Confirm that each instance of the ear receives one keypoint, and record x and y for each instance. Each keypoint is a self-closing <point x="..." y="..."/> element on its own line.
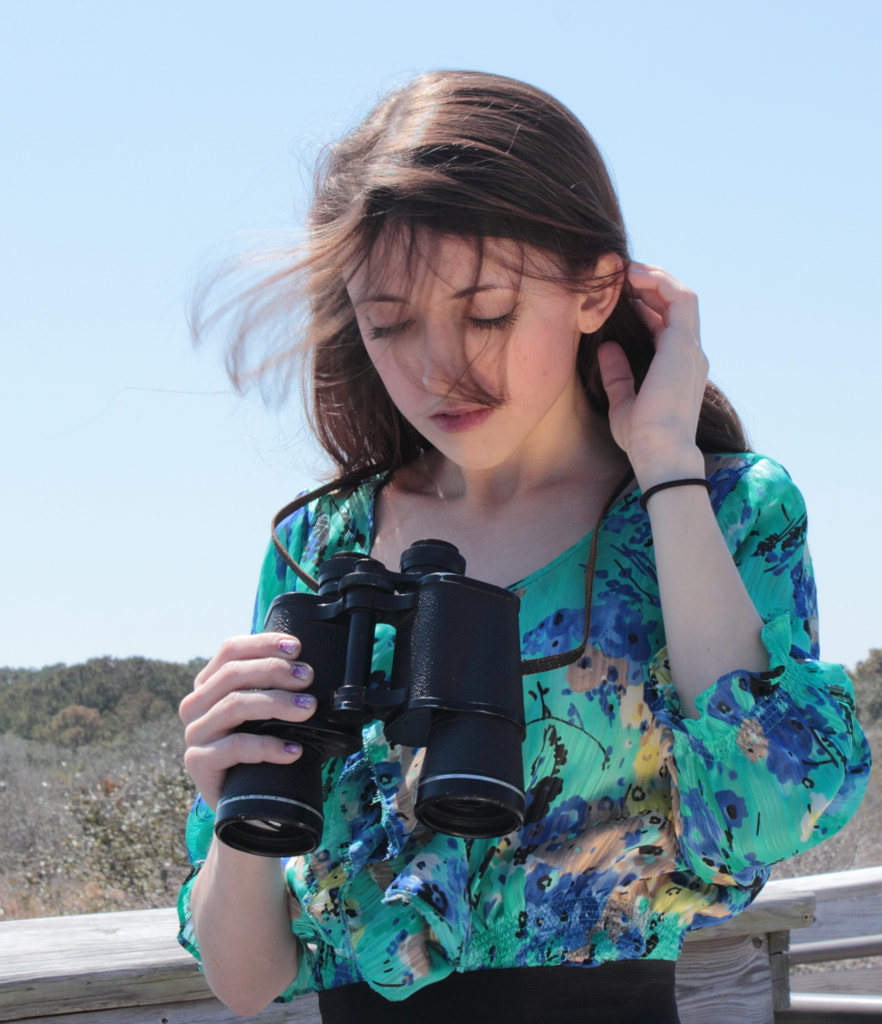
<point x="597" y="304"/>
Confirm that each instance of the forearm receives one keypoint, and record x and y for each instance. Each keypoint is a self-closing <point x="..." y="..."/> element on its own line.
<point x="711" y="624"/>
<point x="240" y="912"/>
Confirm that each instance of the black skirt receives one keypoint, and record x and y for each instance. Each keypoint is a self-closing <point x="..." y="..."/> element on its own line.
<point x="623" y="992"/>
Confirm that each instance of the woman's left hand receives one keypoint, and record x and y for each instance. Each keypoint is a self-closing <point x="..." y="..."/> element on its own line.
<point x="656" y="426"/>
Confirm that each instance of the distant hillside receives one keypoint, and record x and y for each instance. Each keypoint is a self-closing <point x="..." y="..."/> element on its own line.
<point x="867" y="679"/>
<point x="98" y="701"/>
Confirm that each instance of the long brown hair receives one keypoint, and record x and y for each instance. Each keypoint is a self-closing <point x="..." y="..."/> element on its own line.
<point x="454" y="152"/>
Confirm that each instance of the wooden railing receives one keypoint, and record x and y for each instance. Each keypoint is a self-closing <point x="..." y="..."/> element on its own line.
<point x="847" y="926"/>
<point x="126" y="968"/>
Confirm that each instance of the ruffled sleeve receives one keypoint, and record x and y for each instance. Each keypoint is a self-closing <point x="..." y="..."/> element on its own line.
<point x="275" y="578"/>
<point x="200" y="829"/>
<point x="776" y="762"/>
<point x="311" y="534"/>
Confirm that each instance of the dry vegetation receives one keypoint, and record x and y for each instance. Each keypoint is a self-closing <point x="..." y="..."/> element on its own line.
<point x="92" y="829"/>
<point x="93" y="811"/>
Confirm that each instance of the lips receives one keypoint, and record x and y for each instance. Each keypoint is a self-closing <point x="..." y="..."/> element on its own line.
<point x="456" y="421"/>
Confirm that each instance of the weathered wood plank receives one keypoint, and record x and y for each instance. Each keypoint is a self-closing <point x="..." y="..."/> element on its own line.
<point x="774" y="910"/>
<point x="779" y="968"/>
<point x="826" y="1009"/>
<point x="742" y="984"/>
<point x="835" y="885"/>
<point x="207" y="1011"/>
<point x="110" y="935"/>
<point x="866" y="981"/>
<point x="844" y="919"/>
<point x="837" y="949"/>
<point x="80" y="990"/>
<point x="94" y="961"/>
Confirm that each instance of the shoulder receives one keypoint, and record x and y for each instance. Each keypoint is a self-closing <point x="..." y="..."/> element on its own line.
<point x="749" y="489"/>
<point x="746" y="473"/>
<point x="315" y="526"/>
<point x="324" y="523"/>
<point x="321" y="522"/>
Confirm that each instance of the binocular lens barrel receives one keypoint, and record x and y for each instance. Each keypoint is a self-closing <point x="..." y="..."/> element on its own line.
<point x="273" y="810"/>
<point x="471" y="782"/>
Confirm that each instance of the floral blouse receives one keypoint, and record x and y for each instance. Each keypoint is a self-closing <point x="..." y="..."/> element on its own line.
<point x="640" y="823"/>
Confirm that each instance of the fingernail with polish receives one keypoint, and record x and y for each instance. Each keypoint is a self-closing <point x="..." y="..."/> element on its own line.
<point x="304" y="700"/>
<point x="300" y="671"/>
<point x="289" y="646"/>
<point x="293" y="748"/>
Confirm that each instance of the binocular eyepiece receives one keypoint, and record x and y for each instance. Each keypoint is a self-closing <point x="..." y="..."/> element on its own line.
<point x="455" y="689"/>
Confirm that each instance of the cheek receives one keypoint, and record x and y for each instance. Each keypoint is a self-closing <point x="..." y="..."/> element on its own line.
<point x="388" y="367"/>
<point x="548" y="354"/>
<point x="378" y="353"/>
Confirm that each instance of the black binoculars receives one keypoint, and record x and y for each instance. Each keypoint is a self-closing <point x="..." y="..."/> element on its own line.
<point x="455" y="689"/>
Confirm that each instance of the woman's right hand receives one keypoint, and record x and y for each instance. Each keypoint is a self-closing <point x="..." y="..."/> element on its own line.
<point x="251" y="678"/>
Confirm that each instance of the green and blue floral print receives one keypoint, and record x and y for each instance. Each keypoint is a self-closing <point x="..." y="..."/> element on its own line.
<point x="640" y="823"/>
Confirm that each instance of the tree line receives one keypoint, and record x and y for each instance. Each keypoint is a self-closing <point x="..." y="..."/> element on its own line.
<point x="98" y="701"/>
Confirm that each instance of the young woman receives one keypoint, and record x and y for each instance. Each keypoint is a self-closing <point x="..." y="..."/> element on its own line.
<point x="489" y="367"/>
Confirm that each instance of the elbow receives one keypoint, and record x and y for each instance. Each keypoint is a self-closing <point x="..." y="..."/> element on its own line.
<point x="250" y="987"/>
<point x="245" y="1008"/>
<point x="242" y="999"/>
<point x="247" y="982"/>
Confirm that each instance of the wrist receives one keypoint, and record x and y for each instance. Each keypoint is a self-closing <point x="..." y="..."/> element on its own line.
<point x="658" y="466"/>
<point x="691" y="481"/>
<point x="230" y="866"/>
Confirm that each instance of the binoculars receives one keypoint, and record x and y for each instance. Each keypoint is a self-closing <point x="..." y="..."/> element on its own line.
<point x="455" y="689"/>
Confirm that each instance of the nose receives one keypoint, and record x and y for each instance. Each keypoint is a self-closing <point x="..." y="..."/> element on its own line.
<point x="443" y="359"/>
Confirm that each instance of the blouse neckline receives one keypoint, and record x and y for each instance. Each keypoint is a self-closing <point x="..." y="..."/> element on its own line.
<point x="379" y="482"/>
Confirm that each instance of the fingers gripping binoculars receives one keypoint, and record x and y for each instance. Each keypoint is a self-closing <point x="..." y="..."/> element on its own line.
<point x="455" y="689"/>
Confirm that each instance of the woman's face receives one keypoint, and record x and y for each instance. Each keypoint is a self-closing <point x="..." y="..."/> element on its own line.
<point x="478" y="357"/>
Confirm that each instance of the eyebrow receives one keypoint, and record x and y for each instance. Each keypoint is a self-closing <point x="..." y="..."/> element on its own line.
<point x="464" y="293"/>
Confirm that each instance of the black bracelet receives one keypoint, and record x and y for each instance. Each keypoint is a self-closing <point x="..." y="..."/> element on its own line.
<point x="698" y="481"/>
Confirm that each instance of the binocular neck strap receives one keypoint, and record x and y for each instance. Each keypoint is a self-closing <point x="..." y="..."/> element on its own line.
<point x="530" y="666"/>
<point x="341" y="483"/>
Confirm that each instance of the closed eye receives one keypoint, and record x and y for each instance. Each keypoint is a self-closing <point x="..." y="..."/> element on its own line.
<point x="498" y="323"/>
<point x="376" y="331"/>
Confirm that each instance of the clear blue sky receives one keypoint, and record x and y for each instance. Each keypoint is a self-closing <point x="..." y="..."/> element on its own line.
<point x="142" y="141"/>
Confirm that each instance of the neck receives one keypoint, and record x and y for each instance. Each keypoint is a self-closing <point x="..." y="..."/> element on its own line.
<point x="582" y="452"/>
